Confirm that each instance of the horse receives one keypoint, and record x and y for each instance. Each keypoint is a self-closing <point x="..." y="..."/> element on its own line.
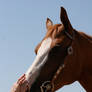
<point x="62" y="57"/>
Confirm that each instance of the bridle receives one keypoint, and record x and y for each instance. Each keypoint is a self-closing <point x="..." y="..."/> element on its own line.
<point x="48" y="86"/>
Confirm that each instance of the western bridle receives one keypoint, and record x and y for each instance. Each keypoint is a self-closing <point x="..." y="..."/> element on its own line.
<point x="48" y="86"/>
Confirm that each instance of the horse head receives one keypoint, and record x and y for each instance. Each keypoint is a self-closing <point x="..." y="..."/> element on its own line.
<point x="56" y="63"/>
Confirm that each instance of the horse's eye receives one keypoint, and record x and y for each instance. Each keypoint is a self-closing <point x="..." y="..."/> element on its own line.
<point x="55" y="49"/>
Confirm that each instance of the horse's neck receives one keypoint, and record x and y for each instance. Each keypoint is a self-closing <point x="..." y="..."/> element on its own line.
<point x="87" y="37"/>
<point x="85" y="44"/>
<point x="86" y="82"/>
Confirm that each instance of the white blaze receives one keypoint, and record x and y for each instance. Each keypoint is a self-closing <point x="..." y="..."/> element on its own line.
<point x="39" y="61"/>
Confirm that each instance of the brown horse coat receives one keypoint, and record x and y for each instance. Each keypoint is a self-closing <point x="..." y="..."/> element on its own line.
<point x="81" y="62"/>
<point x="76" y="63"/>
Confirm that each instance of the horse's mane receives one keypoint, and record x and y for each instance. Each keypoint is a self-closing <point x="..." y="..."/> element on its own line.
<point x="86" y="36"/>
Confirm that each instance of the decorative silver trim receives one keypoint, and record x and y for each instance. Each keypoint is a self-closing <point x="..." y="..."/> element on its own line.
<point x="70" y="50"/>
<point x="48" y="86"/>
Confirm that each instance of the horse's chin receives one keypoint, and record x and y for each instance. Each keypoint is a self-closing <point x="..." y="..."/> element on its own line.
<point x="35" y="88"/>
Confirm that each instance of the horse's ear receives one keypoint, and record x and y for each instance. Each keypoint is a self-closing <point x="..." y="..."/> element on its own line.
<point x="48" y="23"/>
<point x="65" y="20"/>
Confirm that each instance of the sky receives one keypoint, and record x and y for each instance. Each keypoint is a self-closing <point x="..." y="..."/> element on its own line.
<point x="22" y="27"/>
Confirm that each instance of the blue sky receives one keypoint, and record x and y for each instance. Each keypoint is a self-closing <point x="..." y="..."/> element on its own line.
<point x="22" y="26"/>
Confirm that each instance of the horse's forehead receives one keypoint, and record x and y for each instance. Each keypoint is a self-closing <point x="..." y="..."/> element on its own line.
<point x="53" y="30"/>
<point x="49" y="37"/>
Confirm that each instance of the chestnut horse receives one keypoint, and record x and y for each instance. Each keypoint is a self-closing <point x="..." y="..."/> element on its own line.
<point x="63" y="57"/>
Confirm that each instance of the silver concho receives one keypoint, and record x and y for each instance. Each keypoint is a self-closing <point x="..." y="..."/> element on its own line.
<point x="70" y="50"/>
<point x="46" y="86"/>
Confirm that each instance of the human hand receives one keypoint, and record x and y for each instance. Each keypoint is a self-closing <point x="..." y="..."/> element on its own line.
<point x="21" y="85"/>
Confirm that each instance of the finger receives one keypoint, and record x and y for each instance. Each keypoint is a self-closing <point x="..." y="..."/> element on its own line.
<point x="26" y="86"/>
<point x="21" y="78"/>
<point x="25" y="81"/>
